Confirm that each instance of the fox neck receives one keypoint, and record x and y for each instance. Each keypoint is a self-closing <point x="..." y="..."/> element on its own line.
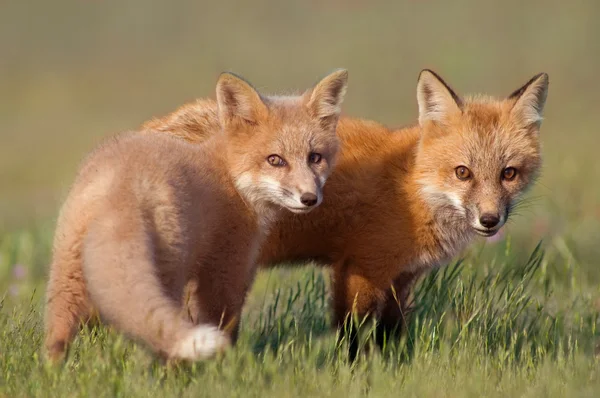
<point x="262" y="212"/>
<point x="265" y="213"/>
<point x="441" y="232"/>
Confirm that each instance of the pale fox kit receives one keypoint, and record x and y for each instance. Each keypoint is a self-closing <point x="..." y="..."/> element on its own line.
<point x="160" y="236"/>
<point x="401" y="202"/>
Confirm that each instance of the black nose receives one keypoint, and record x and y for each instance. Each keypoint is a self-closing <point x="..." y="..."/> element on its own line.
<point x="489" y="220"/>
<point x="308" y="199"/>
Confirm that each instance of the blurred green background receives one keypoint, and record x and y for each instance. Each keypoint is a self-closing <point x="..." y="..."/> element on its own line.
<point x="72" y="72"/>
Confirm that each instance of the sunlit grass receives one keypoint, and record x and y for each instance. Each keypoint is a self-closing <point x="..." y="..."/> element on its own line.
<point x="485" y="325"/>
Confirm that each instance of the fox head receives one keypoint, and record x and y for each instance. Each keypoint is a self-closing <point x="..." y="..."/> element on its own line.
<point x="477" y="155"/>
<point x="280" y="150"/>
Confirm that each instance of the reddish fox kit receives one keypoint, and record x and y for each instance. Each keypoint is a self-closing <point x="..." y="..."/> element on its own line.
<point x="160" y="236"/>
<point x="401" y="202"/>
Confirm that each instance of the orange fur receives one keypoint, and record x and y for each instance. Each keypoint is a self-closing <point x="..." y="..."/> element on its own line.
<point x="160" y="236"/>
<point x="191" y="121"/>
<point x="394" y="206"/>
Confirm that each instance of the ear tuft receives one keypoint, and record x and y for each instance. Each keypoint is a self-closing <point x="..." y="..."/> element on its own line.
<point x="325" y="99"/>
<point x="530" y="100"/>
<point x="435" y="98"/>
<point x="238" y="100"/>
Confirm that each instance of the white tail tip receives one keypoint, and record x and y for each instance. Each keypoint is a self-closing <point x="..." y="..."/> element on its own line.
<point x="202" y="342"/>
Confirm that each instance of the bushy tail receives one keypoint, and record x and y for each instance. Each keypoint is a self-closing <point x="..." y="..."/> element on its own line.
<point x="124" y="285"/>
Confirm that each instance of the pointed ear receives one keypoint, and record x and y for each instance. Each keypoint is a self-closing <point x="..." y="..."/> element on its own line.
<point x="238" y="100"/>
<point x="529" y="100"/>
<point x="435" y="98"/>
<point x="325" y="99"/>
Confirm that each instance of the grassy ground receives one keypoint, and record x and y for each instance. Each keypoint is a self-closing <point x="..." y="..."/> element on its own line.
<point x="506" y="321"/>
<point x="495" y="323"/>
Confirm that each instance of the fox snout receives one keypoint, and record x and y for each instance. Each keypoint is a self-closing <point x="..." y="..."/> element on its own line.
<point x="295" y="193"/>
<point x="303" y="188"/>
<point x="309" y="199"/>
<point x="490" y="218"/>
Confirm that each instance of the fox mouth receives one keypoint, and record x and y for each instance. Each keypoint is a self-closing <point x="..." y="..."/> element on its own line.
<point x="299" y="210"/>
<point x="486" y="232"/>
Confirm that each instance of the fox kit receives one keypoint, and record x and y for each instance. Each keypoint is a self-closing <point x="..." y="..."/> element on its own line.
<point x="401" y="202"/>
<point x="160" y="236"/>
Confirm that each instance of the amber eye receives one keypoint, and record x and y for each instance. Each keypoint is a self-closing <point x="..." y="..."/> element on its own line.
<point x="462" y="173"/>
<point x="509" y="173"/>
<point x="315" y="157"/>
<point x="276" y="161"/>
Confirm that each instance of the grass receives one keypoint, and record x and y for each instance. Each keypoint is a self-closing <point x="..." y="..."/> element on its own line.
<point x="488" y="325"/>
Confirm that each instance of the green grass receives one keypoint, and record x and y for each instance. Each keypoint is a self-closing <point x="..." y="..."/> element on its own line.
<point x="489" y="324"/>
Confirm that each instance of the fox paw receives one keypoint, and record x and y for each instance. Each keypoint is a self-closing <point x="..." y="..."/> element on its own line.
<point x="202" y="342"/>
<point x="56" y="352"/>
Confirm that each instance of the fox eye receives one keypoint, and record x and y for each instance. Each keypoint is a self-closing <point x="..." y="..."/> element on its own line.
<point x="276" y="161"/>
<point x="509" y="173"/>
<point x="315" y="158"/>
<point x="463" y="173"/>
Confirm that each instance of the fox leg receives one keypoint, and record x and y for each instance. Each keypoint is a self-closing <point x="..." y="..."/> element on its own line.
<point x="221" y="296"/>
<point x="235" y="300"/>
<point x="354" y="293"/>
<point x="196" y="312"/>
<point x="67" y="302"/>
<point x="124" y="284"/>
<point x="392" y="318"/>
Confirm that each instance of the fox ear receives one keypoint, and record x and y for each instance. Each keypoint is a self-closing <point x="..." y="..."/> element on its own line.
<point x="238" y="100"/>
<point x="530" y="99"/>
<point x="435" y="98"/>
<point x="325" y="99"/>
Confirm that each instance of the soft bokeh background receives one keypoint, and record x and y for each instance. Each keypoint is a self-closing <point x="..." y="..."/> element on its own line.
<point x="72" y="72"/>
